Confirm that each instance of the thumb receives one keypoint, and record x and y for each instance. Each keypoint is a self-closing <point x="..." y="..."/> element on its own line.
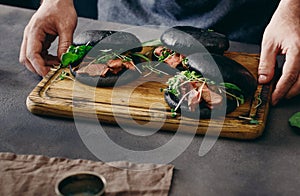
<point x="65" y="40"/>
<point x="267" y="63"/>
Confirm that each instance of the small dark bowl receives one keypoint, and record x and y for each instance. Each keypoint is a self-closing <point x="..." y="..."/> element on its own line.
<point x="81" y="183"/>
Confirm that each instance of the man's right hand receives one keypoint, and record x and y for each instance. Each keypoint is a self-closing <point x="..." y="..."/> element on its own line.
<point x="53" y="18"/>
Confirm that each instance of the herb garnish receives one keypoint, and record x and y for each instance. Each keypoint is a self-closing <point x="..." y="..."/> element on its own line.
<point x="252" y="120"/>
<point x="64" y="75"/>
<point x="238" y="96"/>
<point x="74" y="53"/>
<point x="259" y="101"/>
<point x="149" y="65"/>
<point x="173" y="113"/>
<point x="166" y="53"/>
<point x="187" y="76"/>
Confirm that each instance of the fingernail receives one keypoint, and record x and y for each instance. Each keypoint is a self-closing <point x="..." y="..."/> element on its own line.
<point x="262" y="78"/>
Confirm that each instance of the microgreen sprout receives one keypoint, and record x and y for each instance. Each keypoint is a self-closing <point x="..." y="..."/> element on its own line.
<point x="173" y="113"/>
<point x="185" y="62"/>
<point x="252" y="120"/>
<point x="166" y="53"/>
<point x="64" y="75"/>
<point x="259" y="100"/>
<point x="153" y="69"/>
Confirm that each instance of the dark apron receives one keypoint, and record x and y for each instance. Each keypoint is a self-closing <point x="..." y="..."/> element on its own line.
<point x="240" y="20"/>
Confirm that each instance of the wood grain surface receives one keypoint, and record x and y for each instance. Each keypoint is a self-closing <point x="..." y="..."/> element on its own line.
<point x="140" y="104"/>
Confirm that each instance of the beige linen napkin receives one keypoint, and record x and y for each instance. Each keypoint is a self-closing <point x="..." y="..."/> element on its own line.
<point x="37" y="175"/>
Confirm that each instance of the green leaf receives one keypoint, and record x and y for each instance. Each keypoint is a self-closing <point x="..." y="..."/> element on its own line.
<point x="254" y="122"/>
<point x="241" y="99"/>
<point x="230" y="86"/>
<point x="141" y="56"/>
<point x="68" y="58"/>
<point x="63" y="75"/>
<point x="185" y="61"/>
<point x="295" y="120"/>
<point x="74" y="53"/>
<point x="173" y="113"/>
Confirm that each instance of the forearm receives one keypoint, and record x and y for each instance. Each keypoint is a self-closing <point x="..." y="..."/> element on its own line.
<point x="58" y="2"/>
<point x="68" y="1"/>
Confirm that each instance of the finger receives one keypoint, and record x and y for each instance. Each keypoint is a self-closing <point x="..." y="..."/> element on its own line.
<point x="267" y="62"/>
<point x="22" y="57"/>
<point x="29" y="67"/>
<point x="295" y="89"/>
<point x="33" y="52"/>
<point x="288" y="78"/>
<point x="65" y="40"/>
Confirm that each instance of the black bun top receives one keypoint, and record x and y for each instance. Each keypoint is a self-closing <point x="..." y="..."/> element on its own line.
<point x="115" y="40"/>
<point x="91" y="37"/>
<point x="188" y="40"/>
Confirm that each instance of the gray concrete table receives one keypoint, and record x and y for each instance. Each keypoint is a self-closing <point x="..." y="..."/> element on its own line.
<point x="268" y="165"/>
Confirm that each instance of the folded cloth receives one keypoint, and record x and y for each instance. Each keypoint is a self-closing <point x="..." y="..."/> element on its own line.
<point x="37" y="175"/>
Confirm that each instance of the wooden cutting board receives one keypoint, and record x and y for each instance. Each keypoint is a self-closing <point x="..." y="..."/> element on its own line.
<point x="145" y="106"/>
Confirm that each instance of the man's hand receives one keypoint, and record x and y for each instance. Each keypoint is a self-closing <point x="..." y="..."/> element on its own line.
<point x="282" y="35"/>
<point x="53" y="18"/>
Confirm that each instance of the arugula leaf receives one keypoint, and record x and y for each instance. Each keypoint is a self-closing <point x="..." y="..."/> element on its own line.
<point x="254" y="122"/>
<point x="230" y="86"/>
<point x="73" y="54"/>
<point x="141" y="56"/>
<point x="191" y="75"/>
<point x="294" y="120"/>
<point x="68" y="58"/>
